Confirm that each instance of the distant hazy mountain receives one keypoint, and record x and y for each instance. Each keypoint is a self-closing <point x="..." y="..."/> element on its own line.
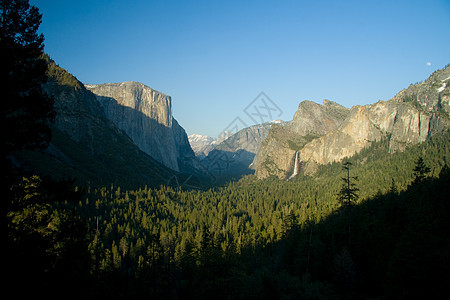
<point x="203" y="144"/>
<point x="200" y="144"/>
<point x="248" y="139"/>
<point x="233" y="157"/>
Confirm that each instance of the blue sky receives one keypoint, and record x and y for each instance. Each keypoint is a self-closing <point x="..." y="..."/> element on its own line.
<point x="215" y="57"/>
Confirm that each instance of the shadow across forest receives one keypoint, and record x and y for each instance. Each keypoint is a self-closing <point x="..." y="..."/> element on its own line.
<point x="226" y="166"/>
<point x="394" y="246"/>
<point x="254" y="239"/>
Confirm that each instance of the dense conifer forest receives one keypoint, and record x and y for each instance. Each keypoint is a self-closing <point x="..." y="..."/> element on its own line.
<point x="277" y="239"/>
<point x="376" y="226"/>
<point x="248" y="239"/>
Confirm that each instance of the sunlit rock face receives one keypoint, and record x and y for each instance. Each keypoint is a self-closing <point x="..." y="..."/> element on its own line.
<point x="403" y="124"/>
<point x="145" y="115"/>
<point x="311" y="120"/>
<point x="333" y="133"/>
<point x="315" y="119"/>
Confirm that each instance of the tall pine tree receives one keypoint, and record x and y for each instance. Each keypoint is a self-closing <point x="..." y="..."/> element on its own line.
<point x="348" y="194"/>
<point x="420" y="171"/>
<point x="45" y="245"/>
<point x="25" y="110"/>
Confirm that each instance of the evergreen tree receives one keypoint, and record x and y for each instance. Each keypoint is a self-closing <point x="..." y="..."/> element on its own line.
<point x="420" y="171"/>
<point x="25" y="108"/>
<point x="46" y="244"/>
<point x="348" y="194"/>
<point x="393" y="189"/>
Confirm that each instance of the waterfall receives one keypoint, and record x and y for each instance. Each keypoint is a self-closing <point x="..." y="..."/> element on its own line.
<point x="296" y="166"/>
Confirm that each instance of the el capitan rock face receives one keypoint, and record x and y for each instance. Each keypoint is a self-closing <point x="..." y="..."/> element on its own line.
<point x="123" y="134"/>
<point x="409" y="118"/>
<point x="145" y="115"/>
<point x="86" y="145"/>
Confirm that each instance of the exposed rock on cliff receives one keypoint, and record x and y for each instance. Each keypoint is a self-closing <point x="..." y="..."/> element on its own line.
<point x="145" y="115"/>
<point x="277" y="152"/>
<point x="315" y="119"/>
<point x="186" y="159"/>
<point x="409" y="118"/>
<point x="86" y="145"/>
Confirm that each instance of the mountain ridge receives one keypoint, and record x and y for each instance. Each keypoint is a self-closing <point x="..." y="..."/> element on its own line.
<point x="97" y="117"/>
<point x="408" y="118"/>
<point x="88" y="146"/>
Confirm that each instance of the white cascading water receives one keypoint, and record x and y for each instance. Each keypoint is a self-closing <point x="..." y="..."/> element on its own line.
<point x="296" y="166"/>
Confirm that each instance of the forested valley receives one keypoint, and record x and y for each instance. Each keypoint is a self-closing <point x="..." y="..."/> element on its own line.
<point x="251" y="238"/>
<point x="374" y="226"/>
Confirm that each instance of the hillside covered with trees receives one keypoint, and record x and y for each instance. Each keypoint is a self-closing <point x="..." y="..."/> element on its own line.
<point x="275" y="239"/>
<point x="252" y="238"/>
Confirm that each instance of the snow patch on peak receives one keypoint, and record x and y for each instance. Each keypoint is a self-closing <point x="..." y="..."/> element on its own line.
<point x="201" y="144"/>
<point x="444" y="85"/>
<point x="197" y="136"/>
<point x="277" y="121"/>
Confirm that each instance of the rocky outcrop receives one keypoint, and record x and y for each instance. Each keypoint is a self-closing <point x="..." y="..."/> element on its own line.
<point x="432" y="95"/>
<point x="86" y="145"/>
<point x="277" y="154"/>
<point x="409" y="118"/>
<point x="315" y="119"/>
<point x="145" y="115"/>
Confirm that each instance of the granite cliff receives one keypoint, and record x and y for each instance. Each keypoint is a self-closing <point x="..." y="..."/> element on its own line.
<point x="277" y="152"/>
<point x="145" y="115"/>
<point x="127" y="136"/>
<point x="329" y="133"/>
<point x="86" y="145"/>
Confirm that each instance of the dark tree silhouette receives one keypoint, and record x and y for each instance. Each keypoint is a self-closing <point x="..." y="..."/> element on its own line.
<point x="25" y="108"/>
<point x="348" y="194"/>
<point x="347" y="197"/>
<point x="420" y="171"/>
<point x="393" y="189"/>
<point x="42" y="245"/>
